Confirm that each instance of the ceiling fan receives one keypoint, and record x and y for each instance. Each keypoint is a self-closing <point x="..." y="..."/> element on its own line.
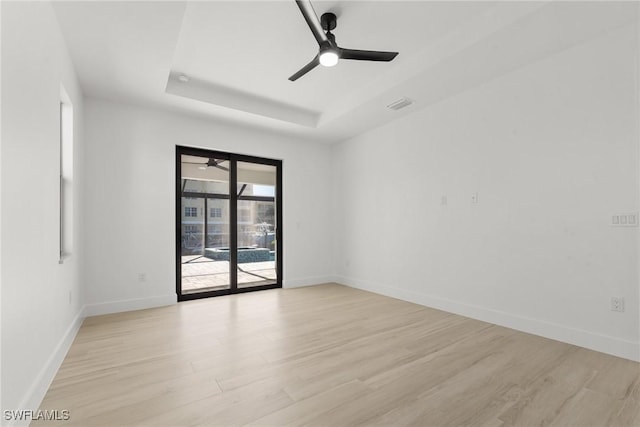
<point x="210" y="163"/>
<point x="330" y="52"/>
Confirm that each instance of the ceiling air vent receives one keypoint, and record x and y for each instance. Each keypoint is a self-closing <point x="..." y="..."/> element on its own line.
<point x="400" y="103"/>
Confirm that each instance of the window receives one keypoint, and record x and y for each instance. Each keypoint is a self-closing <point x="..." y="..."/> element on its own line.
<point x="244" y="213"/>
<point x="266" y="212"/>
<point x="192" y="229"/>
<point x="66" y="176"/>
<point x="215" y="213"/>
<point x="191" y="211"/>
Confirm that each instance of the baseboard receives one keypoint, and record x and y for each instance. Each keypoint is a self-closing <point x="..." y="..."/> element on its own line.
<point x="35" y="394"/>
<point x="308" y="281"/>
<point x="129" y="305"/>
<point x="593" y="341"/>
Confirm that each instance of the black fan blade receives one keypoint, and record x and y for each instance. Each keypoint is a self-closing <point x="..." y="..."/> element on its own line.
<point x="312" y="20"/>
<point x="304" y="70"/>
<point x="216" y="164"/>
<point x="367" y="55"/>
<point x="208" y="164"/>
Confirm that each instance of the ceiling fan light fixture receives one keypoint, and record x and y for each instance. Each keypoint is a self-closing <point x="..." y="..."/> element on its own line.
<point x="330" y="52"/>
<point x="328" y="58"/>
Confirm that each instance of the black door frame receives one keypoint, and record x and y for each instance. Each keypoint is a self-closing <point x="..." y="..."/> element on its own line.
<point x="233" y="223"/>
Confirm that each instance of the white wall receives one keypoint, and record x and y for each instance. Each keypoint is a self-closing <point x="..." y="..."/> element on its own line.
<point x="41" y="300"/>
<point x="552" y="151"/>
<point x="130" y="206"/>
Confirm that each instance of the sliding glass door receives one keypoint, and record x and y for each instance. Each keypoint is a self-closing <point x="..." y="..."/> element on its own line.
<point x="228" y="233"/>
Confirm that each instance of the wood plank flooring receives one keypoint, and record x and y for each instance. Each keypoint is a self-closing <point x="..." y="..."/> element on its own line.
<point x="331" y="356"/>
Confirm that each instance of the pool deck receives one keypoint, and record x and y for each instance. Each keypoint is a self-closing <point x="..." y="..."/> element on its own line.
<point x="201" y="273"/>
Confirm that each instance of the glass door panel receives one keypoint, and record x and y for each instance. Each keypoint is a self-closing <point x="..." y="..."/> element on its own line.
<point x="205" y="263"/>
<point x="256" y="224"/>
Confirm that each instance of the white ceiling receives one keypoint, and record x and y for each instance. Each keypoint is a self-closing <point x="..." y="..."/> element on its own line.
<point x="239" y="55"/>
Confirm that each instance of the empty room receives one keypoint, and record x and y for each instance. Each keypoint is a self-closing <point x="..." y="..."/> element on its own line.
<point x="322" y="213"/>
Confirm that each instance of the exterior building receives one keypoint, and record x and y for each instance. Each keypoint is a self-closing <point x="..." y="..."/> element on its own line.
<point x="256" y="219"/>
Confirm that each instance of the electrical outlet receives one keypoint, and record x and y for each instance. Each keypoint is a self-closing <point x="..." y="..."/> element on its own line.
<point x="474" y="198"/>
<point x="617" y="304"/>
<point x="624" y="219"/>
<point x="142" y="277"/>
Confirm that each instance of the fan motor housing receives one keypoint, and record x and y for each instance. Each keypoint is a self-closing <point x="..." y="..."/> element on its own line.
<point x="328" y="21"/>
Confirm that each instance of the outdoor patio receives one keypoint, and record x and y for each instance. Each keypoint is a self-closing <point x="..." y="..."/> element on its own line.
<point x="200" y="273"/>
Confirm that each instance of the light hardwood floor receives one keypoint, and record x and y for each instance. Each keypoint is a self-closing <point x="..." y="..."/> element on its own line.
<point x="331" y="356"/>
